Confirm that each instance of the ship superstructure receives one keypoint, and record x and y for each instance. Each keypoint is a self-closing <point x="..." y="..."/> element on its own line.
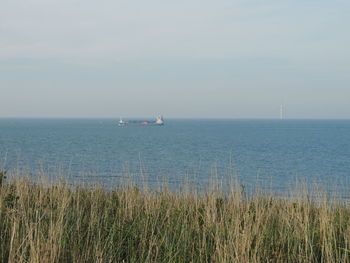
<point x="159" y="121"/>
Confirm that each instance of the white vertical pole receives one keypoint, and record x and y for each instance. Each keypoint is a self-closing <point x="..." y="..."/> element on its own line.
<point x="282" y="112"/>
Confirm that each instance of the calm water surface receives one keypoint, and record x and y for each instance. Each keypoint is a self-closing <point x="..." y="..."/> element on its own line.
<point x="273" y="152"/>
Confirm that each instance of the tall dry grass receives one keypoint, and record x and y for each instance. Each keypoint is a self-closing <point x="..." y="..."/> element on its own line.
<point x="58" y="223"/>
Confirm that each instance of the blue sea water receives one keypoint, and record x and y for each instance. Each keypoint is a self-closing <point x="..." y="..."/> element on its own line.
<point x="274" y="152"/>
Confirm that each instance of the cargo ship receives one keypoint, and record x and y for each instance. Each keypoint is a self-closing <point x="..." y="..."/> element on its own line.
<point x="159" y="121"/>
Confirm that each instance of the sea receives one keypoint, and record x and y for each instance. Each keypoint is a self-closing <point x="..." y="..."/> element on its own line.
<point x="271" y="154"/>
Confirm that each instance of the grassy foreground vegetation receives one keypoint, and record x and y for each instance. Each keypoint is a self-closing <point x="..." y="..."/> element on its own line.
<point x="58" y="223"/>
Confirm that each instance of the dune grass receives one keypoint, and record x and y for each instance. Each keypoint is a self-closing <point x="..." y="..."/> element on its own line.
<point x="59" y="223"/>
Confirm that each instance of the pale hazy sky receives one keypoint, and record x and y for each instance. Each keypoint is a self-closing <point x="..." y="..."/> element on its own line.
<point x="183" y="58"/>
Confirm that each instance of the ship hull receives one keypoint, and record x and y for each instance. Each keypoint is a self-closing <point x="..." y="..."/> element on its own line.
<point x="157" y="122"/>
<point x="140" y="124"/>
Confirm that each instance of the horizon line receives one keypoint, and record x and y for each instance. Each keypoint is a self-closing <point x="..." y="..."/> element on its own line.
<point x="177" y="118"/>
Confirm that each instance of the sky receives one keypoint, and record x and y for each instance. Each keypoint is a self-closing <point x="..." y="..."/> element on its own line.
<point x="182" y="59"/>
